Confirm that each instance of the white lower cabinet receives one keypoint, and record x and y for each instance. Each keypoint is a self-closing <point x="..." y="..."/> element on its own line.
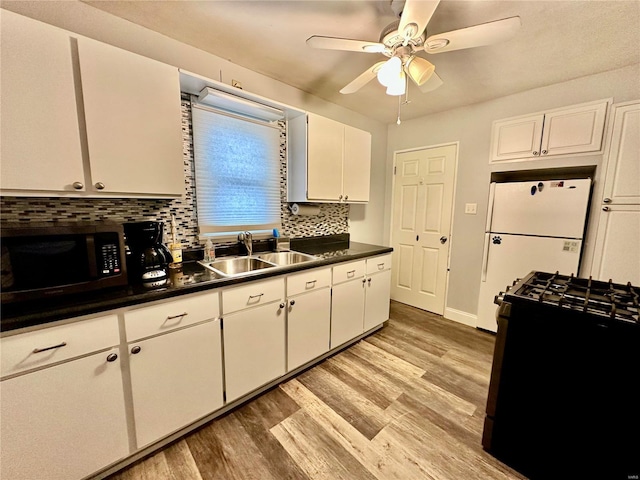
<point x="347" y="311"/>
<point x="308" y="316"/>
<point x="377" y="298"/>
<point x="64" y="422"/>
<point x="176" y="379"/>
<point x="254" y="336"/>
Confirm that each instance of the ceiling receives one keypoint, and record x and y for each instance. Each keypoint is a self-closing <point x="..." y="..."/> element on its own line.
<point x="558" y="41"/>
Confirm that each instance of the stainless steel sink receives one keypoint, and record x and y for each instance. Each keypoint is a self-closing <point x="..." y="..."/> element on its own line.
<point x="286" y="258"/>
<point x="237" y="266"/>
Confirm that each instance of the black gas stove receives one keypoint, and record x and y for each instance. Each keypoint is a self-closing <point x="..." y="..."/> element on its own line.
<point x="564" y="393"/>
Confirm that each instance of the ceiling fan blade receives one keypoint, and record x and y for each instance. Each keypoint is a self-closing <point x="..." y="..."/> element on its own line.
<point x="334" y="43"/>
<point x="415" y="16"/>
<point x="476" y="36"/>
<point x="434" y="82"/>
<point x="363" y="79"/>
<point x="419" y="70"/>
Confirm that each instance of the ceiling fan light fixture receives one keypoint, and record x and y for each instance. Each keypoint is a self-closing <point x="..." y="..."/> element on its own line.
<point x="436" y="44"/>
<point x="390" y="71"/>
<point x="398" y="86"/>
<point x="419" y="69"/>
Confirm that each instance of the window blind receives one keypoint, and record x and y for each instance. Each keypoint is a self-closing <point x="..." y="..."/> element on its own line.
<point x="237" y="166"/>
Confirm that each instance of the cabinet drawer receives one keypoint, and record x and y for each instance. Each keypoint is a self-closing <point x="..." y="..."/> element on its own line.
<point x="308" y="281"/>
<point x="166" y="316"/>
<point x="42" y="347"/>
<point x="348" y="271"/>
<point x="252" y="294"/>
<point x="378" y="264"/>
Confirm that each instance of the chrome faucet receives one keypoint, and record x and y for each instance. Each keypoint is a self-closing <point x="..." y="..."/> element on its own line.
<point x="247" y="239"/>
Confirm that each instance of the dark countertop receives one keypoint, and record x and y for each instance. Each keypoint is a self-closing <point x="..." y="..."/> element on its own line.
<point x="191" y="278"/>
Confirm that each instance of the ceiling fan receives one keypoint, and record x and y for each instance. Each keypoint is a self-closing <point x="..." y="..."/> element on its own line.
<point x="403" y="39"/>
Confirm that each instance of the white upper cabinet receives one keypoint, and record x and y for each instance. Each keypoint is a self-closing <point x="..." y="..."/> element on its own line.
<point x="86" y="118"/>
<point x="134" y="125"/>
<point x="328" y="161"/>
<point x="40" y="136"/>
<point x="570" y="130"/>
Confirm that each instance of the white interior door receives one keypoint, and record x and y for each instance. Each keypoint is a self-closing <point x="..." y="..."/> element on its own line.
<point x="422" y="208"/>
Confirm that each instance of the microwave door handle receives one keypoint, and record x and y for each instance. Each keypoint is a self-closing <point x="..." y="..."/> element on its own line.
<point x="91" y="256"/>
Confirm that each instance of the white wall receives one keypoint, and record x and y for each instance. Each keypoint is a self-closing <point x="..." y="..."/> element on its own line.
<point x="471" y="126"/>
<point x="366" y="221"/>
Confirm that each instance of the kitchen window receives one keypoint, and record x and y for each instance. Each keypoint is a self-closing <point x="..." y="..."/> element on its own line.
<point x="237" y="166"/>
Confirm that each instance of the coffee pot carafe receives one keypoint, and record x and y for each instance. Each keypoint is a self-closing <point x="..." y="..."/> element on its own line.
<point x="147" y="257"/>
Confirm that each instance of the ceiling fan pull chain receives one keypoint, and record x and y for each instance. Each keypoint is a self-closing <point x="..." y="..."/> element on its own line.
<point x="399" y="105"/>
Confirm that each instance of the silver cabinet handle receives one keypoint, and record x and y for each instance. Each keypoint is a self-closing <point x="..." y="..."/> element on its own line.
<point x="180" y="315"/>
<point x="282" y="305"/>
<point x="292" y="303"/>
<point x="311" y="283"/>
<point x="381" y="266"/>
<point x="351" y="273"/>
<point x="369" y="280"/>
<point x="340" y="197"/>
<point x="535" y="153"/>
<point x="364" y="280"/>
<point x="346" y="197"/>
<point x="544" y="152"/>
<point x="136" y="349"/>
<point x="78" y="185"/>
<point x="606" y="200"/>
<point x="99" y="185"/>
<point x="605" y="209"/>
<point x="52" y="347"/>
<point x="112" y="357"/>
<point x="256" y="296"/>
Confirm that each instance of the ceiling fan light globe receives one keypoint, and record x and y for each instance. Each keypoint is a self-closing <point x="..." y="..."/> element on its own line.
<point x="398" y="86"/>
<point x="420" y="70"/>
<point x="389" y="71"/>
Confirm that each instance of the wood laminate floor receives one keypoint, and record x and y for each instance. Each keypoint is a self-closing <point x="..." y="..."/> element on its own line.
<point x="406" y="403"/>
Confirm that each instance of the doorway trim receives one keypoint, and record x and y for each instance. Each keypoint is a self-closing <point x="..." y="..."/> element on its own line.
<point x="447" y="310"/>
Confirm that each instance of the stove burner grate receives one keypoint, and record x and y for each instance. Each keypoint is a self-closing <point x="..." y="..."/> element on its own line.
<point x="609" y="299"/>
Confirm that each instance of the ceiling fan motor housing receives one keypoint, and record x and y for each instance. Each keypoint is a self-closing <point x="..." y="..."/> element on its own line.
<point x="391" y="38"/>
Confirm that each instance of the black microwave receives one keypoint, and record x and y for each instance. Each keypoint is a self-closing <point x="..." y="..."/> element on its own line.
<point x="49" y="260"/>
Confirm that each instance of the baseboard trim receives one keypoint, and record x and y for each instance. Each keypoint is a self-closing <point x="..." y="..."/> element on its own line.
<point x="460" y="316"/>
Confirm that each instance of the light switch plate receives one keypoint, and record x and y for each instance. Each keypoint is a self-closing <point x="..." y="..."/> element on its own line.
<point x="470" y="208"/>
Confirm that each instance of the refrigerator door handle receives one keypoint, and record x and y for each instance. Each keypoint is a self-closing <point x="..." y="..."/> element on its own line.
<point x="492" y="194"/>
<point x="485" y="256"/>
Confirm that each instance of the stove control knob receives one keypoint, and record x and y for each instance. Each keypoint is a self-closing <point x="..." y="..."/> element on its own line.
<point x="498" y="299"/>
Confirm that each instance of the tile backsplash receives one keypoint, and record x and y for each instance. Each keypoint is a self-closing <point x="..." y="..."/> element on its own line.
<point x="332" y="218"/>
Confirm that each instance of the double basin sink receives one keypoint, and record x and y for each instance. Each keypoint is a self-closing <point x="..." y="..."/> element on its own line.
<point x="239" y="266"/>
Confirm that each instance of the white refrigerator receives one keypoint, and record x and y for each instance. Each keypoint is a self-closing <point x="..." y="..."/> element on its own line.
<point x="533" y="225"/>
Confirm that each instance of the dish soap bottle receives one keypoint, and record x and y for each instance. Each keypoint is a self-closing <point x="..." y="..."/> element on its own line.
<point x="209" y="251"/>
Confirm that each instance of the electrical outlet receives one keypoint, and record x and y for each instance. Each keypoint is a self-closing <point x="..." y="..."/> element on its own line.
<point x="236" y="83"/>
<point x="470" y="208"/>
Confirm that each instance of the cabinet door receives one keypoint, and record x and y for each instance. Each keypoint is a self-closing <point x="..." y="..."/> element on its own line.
<point x="617" y="250"/>
<point x="621" y="184"/>
<point x="347" y="311"/>
<point x="40" y="135"/>
<point x="308" y="322"/>
<point x="324" y="159"/>
<point x="176" y="379"/>
<point x="574" y="130"/>
<point x="516" y="138"/>
<point x="377" y="299"/>
<point x="356" y="165"/>
<point x="254" y="348"/>
<point x="132" y="111"/>
<point x="63" y="422"/>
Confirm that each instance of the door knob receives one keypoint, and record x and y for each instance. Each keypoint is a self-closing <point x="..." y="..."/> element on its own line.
<point x="443" y="239"/>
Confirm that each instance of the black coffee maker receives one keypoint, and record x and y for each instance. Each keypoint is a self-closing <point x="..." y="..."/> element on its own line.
<point x="147" y="258"/>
